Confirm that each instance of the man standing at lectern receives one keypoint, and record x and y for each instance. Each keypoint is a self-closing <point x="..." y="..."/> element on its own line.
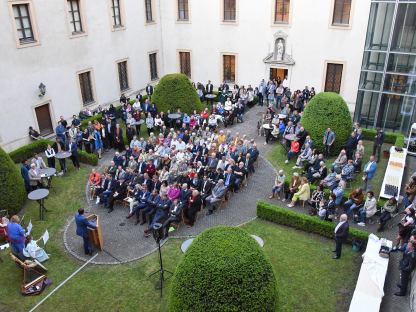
<point x="82" y="230"/>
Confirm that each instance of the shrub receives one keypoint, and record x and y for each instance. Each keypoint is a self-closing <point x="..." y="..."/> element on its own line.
<point x="86" y="158"/>
<point x="175" y="91"/>
<point x="327" y="110"/>
<point x="28" y="150"/>
<point x="303" y="222"/>
<point x="397" y="139"/>
<point x="224" y="270"/>
<point x="12" y="189"/>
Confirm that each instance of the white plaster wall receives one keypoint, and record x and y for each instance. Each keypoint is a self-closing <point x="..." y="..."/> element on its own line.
<point x="58" y="58"/>
<point x="311" y="41"/>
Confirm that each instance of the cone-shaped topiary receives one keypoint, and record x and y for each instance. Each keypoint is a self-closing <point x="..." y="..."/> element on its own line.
<point x="12" y="190"/>
<point x="176" y="91"/>
<point x="327" y="110"/>
<point x="223" y="270"/>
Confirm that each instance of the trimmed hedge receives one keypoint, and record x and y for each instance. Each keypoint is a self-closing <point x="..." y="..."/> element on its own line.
<point x="303" y="222"/>
<point x="176" y="91"/>
<point x="86" y="158"/>
<point x="27" y="151"/>
<point x="223" y="270"/>
<point x="327" y="110"/>
<point x="397" y="139"/>
<point x="12" y="188"/>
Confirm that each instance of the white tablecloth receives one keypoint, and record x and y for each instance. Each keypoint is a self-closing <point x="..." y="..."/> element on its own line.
<point x="369" y="289"/>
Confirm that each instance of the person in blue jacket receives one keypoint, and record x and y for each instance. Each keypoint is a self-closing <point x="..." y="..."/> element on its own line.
<point x="82" y="230"/>
<point x="16" y="236"/>
<point x="369" y="172"/>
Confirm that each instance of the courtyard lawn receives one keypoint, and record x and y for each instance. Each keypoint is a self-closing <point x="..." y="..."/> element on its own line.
<point x="277" y="156"/>
<point x="308" y="278"/>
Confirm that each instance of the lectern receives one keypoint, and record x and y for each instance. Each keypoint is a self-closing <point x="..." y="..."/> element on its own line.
<point x="96" y="235"/>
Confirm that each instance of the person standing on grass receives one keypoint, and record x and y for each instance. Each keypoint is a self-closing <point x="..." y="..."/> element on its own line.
<point x="378" y="142"/>
<point x="369" y="172"/>
<point x="82" y="230"/>
<point x="341" y="234"/>
<point x="329" y="139"/>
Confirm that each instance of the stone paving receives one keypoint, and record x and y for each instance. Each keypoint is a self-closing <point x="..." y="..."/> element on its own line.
<point x="119" y="233"/>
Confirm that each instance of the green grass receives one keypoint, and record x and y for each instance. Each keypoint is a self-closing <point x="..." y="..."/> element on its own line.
<point x="277" y="156"/>
<point x="308" y="278"/>
<point x="300" y="260"/>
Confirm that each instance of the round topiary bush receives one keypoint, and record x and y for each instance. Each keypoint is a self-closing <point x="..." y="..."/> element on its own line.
<point x="327" y="110"/>
<point x="176" y="91"/>
<point x="223" y="270"/>
<point x="12" y="189"/>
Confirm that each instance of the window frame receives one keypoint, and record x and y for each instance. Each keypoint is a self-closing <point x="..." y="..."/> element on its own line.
<point x="92" y="86"/>
<point x="180" y="62"/>
<point x="186" y="11"/>
<point x="281" y="22"/>
<point x="342" y="4"/>
<point x="148" y="3"/>
<point x="343" y="73"/>
<point x="156" y="77"/>
<point x="332" y="14"/>
<point x="127" y="75"/>
<point x="33" y="23"/>
<point x="223" y="12"/>
<point x="83" y="23"/>
<point x="223" y="55"/>
<point x="114" y="16"/>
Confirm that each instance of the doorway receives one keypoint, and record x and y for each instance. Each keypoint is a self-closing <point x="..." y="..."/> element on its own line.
<point x="278" y="73"/>
<point x="43" y="116"/>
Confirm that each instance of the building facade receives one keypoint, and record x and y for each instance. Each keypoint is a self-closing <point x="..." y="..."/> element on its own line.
<point x="86" y="53"/>
<point x="387" y="88"/>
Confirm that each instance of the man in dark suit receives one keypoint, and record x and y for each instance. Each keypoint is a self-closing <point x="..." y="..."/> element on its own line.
<point x="341" y="234"/>
<point x="229" y="179"/>
<point x="206" y="187"/>
<point x="149" y="91"/>
<point x="108" y="190"/>
<point x="120" y="192"/>
<point x="209" y="89"/>
<point x="73" y="149"/>
<point x="82" y="230"/>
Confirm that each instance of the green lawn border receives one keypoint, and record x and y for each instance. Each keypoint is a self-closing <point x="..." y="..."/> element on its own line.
<point x="304" y="222"/>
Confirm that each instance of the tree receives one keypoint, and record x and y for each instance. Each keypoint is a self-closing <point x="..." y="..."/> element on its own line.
<point x="327" y="110"/>
<point x="12" y="190"/>
<point x="224" y="270"/>
<point x="176" y="91"/>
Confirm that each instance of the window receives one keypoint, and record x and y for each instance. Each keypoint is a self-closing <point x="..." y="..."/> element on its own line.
<point x="185" y="63"/>
<point x="153" y="66"/>
<point x="229" y="10"/>
<point x="183" y="14"/>
<point x="333" y="77"/>
<point x="281" y="12"/>
<point x="75" y="16"/>
<point x="123" y="76"/>
<point x="116" y="13"/>
<point x="23" y="23"/>
<point x="86" y="88"/>
<point x="342" y="10"/>
<point x="149" y="13"/>
<point x="229" y="68"/>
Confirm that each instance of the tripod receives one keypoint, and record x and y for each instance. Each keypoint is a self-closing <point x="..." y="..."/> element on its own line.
<point x="161" y="271"/>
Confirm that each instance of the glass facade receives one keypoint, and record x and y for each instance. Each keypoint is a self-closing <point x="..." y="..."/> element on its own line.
<point x="387" y="87"/>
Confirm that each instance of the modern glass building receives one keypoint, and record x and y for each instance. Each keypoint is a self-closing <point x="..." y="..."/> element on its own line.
<point x="387" y="87"/>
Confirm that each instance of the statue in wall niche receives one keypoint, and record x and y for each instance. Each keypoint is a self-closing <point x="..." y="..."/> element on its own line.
<point x="280" y="49"/>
